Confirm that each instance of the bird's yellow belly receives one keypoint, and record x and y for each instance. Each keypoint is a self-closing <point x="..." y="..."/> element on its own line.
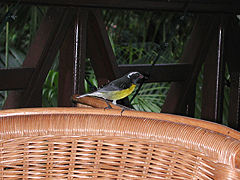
<point x="116" y="95"/>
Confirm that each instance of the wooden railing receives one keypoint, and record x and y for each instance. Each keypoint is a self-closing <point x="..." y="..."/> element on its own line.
<point x="76" y="29"/>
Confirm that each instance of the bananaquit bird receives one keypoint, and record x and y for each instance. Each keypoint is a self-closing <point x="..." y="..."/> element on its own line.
<point x="118" y="89"/>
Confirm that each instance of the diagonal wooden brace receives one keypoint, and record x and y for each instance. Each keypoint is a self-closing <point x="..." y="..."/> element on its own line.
<point x="41" y="55"/>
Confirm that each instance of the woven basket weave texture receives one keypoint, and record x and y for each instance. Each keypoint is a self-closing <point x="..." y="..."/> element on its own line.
<point x="92" y="143"/>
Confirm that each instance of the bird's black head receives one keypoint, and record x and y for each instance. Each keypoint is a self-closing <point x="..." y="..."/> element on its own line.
<point x="134" y="77"/>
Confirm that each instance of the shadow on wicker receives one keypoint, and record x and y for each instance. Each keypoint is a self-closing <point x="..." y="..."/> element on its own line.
<point x="96" y="143"/>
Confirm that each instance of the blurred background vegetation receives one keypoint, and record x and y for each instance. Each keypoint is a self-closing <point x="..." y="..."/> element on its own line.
<point x="137" y="37"/>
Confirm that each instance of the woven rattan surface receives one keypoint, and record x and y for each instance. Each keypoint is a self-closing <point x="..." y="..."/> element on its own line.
<point x="58" y="143"/>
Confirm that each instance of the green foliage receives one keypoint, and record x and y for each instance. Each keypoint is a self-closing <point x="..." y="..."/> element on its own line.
<point x="198" y="101"/>
<point x="90" y="79"/>
<point x="138" y="36"/>
<point x="151" y="97"/>
<point x="22" y="25"/>
<point x="50" y="89"/>
<point x="18" y="24"/>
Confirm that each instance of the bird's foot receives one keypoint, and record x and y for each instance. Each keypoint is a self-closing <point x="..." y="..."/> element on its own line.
<point x="108" y="105"/>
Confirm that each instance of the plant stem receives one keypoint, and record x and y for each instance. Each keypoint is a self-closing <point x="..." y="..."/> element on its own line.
<point x="33" y="22"/>
<point x="6" y="48"/>
<point x="7" y="44"/>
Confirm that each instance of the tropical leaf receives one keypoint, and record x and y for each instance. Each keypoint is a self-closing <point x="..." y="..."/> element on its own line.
<point x="150" y="97"/>
<point x="50" y="89"/>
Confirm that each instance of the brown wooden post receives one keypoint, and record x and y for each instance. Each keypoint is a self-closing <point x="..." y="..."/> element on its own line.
<point x="190" y="102"/>
<point x="65" y="78"/>
<point x="234" y="101"/>
<point x="99" y="49"/>
<point x="213" y="80"/>
<point x="41" y="55"/>
<point x="80" y="52"/>
<point x="15" y="78"/>
<point x="194" y="53"/>
<point x="72" y="60"/>
<point x="232" y="56"/>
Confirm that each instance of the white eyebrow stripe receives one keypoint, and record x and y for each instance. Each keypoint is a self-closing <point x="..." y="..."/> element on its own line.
<point x="131" y="74"/>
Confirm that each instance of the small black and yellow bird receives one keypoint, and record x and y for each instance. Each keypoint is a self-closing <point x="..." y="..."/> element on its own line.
<point x="119" y="88"/>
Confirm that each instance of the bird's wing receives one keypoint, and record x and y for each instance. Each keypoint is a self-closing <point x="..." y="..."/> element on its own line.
<point x="116" y="85"/>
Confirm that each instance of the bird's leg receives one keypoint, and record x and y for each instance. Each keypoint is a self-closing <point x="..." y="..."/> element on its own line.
<point x="108" y="105"/>
<point x="123" y="109"/>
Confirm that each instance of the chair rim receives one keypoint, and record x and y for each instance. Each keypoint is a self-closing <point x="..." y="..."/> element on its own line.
<point x="129" y="124"/>
<point x="127" y="113"/>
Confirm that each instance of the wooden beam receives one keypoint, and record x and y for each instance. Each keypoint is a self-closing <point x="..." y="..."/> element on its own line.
<point x="190" y="102"/>
<point x="194" y="53"/>
<point x="159" y="72"/>
<point x="13" y="79"/>
<point x="65" y="78"/>
<point x="61" y="19"/>
<point x="232" y="56"/>
<point x="80" y="52"/>
<point x="72" y="60"/>
<point x="234" y="101"/>
<point x="41" y="55"/>
<point x="213" y="80"/>
<point x="209" y="6"/>
<point x="99" y="50"/>
<point x="232" y="46"/>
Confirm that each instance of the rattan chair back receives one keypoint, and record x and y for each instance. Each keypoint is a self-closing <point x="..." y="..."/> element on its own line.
<point x="59" y="143"/>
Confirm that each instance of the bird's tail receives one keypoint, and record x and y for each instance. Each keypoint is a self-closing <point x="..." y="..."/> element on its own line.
<point x="97" y="94"/>
<point x="83" y="95"/>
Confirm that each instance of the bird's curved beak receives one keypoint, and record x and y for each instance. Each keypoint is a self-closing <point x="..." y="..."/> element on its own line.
<point x="141" y="76"/>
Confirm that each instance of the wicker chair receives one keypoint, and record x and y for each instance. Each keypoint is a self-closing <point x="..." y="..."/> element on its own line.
<point x="58" y="143"/>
